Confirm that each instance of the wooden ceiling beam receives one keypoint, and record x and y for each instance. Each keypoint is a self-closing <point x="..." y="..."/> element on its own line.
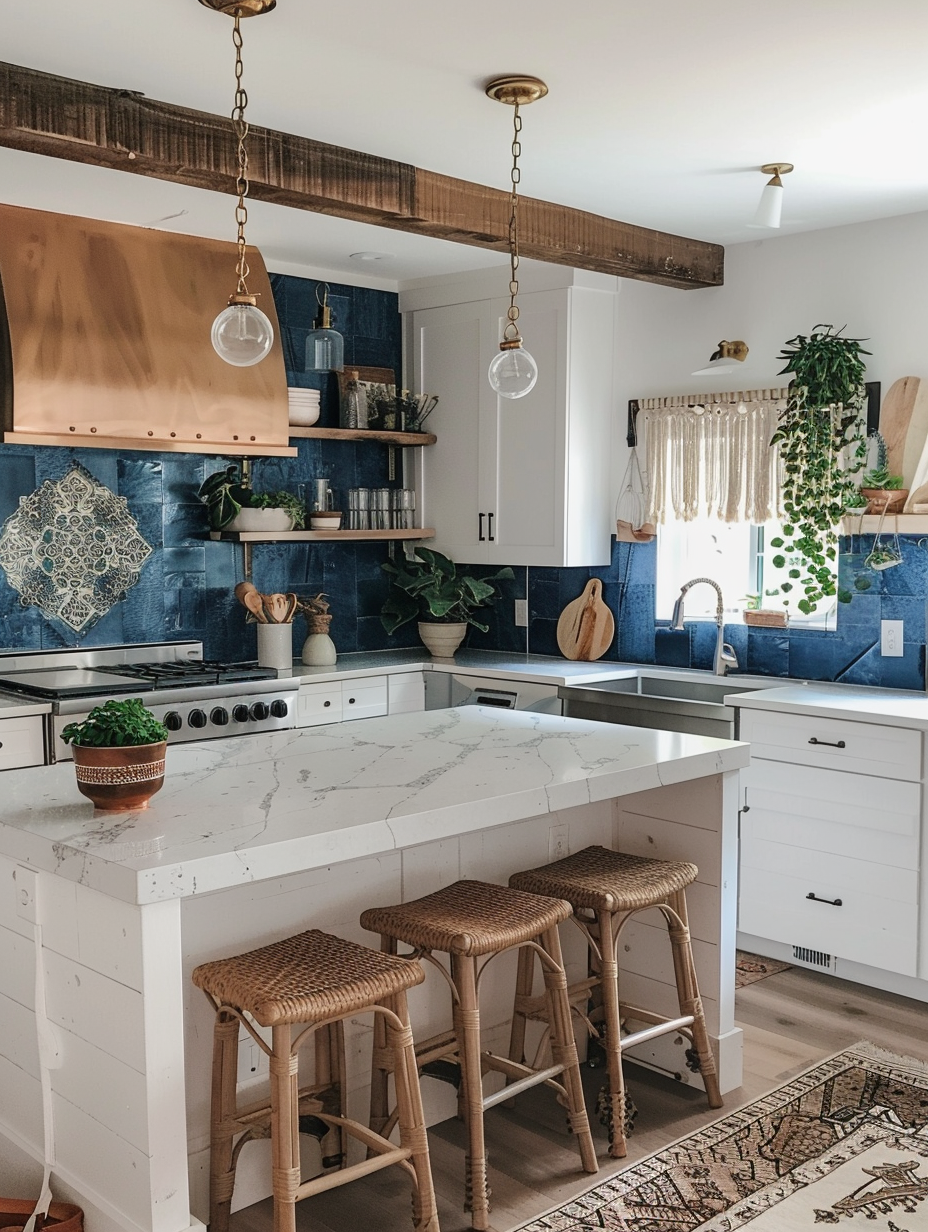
<point x="104" y="127"/>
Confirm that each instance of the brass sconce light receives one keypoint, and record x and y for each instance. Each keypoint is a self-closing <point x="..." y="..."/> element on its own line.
<point x="725" y="358"/>
<point x="513" y="372"/>
<point x="242" y="335"/>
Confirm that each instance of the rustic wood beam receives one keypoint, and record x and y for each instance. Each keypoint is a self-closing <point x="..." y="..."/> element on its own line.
<point x="103" y="127"/>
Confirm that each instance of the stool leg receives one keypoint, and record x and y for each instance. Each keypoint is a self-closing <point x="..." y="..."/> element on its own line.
<point x="689" y="998"/>
<point x="524" y="979"/>
<point x="285" y="1139"/>
<point x="329" y="1044"/>
<point x="223" y="1109"/>
<point x="381" y="1059"/>
<point x="609" y="984"/>
<point x="411" y="1118"/>
<point x="564" y="1047"/>
<point x="467" y="1029"/>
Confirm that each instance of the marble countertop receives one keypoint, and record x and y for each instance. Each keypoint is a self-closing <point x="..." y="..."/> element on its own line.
<point x="19" y="707"/>
<point x="893" y="707"/>
<point x="254" y="807"/>
<point x="489" y="663"/>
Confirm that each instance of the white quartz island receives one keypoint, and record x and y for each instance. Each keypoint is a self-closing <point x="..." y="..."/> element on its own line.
<point x="258" y="837"/>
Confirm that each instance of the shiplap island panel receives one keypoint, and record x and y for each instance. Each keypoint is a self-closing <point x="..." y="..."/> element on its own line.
<point x="255" y="838"/>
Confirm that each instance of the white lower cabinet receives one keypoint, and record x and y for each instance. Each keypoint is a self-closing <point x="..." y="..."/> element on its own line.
<point x="339" y="700"/>
<point x="406" y="692"/>
<point x="831" y="838"/>
<point x="22" y="742"/>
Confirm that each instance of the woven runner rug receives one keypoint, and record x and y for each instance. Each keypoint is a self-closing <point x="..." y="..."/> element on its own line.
<point x="749" y="968"/>
<point x="843" y="1145"/>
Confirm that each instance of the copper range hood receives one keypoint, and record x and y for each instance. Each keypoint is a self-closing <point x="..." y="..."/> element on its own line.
<point x="105" y="341"/>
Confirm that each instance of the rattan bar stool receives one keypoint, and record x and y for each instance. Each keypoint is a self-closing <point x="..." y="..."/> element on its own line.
<point x="471" y="920"/>
<point x="605" y="889"/>
<point x="312" y="981"/>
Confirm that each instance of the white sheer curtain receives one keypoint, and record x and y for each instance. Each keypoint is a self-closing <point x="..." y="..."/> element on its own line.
<point x="710" y="454"/>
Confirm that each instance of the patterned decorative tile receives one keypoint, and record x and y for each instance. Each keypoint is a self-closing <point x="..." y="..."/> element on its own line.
<point x="72" y="550"/>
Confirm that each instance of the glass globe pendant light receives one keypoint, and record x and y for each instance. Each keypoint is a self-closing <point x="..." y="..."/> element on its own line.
<point x="513" y="372"/>
<point x="325" y="346"/>
<point x="242" y="334"/>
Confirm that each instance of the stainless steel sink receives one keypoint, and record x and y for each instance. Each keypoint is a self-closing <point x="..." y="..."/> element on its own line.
<point x="690" y="705"/>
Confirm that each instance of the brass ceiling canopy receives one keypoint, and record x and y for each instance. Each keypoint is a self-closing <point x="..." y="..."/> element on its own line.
<point x="512" y="89"/>
<point x="240" y="8"/>
<point x="776" y="169"/>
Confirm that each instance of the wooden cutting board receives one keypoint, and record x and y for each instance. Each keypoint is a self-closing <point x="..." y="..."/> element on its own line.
<point x="586" y="627"/>
<point x="895" y="415"/>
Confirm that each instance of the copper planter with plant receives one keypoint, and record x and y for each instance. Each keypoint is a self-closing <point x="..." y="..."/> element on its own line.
<point x="119" y="752"/>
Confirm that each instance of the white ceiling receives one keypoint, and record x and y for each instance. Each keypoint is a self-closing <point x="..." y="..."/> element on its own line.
<point x="658" y="114"/>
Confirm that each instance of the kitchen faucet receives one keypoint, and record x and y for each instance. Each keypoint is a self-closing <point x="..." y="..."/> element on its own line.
<point x="725" y="657"/>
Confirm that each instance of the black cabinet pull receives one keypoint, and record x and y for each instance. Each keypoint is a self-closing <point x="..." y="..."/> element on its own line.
<point x="327" y="703"/>
<point x="832" y="902"/>
<point x="351" y="701"/>
<point x="490" y="526"/>
<point x="831" y="744"/>
<point x="480" y="535"/>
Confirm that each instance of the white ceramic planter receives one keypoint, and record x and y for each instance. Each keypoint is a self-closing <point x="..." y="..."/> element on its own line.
<point x="263" y="521"/>
<point x="442" y="640"/>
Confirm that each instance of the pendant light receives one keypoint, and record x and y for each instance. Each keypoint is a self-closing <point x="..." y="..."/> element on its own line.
<point x="770" y="206"/>
<point x="513" y="372"/>
<point x="242" y="334"/>
<point x="725" y="358"/>
<point x="325" y="347"/>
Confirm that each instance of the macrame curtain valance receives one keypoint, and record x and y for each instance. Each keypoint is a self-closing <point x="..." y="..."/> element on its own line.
<point x="711" y="454"/>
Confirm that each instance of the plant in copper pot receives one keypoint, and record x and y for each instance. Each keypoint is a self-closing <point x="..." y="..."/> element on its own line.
<point x="118" y="755"/>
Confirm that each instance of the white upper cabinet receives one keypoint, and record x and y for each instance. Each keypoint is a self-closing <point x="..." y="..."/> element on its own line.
<point x="517" y="481"/>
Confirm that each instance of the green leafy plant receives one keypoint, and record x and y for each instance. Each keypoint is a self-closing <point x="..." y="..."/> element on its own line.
<point x="428" y="587"/>
<point x="116" y="724"/>
<point x="225" y="495"/>
<point x="822" y="445"/>
<point x="882" y="480"/>
<point x="856" y="500"/>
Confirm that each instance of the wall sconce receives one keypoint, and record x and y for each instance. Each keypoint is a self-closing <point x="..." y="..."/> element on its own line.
<point x="726" y="359"/>
<point x="325" y="347"/>
<point x="770" y="206"/>
<point x="513" y="372"/>
<point x="241" y="335"/>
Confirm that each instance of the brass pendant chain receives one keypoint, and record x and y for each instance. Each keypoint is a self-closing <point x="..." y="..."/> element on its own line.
<point x="241" y="184"/>
<point x="511" y="332"/>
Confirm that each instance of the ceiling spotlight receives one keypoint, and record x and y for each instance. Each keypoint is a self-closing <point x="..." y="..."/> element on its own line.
<point x="370" y="256"/>
<point x="770" y="206"/>
<point x="726" y="359"/>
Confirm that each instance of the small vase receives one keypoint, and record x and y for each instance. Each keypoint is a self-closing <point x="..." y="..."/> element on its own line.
<point x="275" y="646"/>
<point x="319" y="650"/>
<point x="442" y="640"/>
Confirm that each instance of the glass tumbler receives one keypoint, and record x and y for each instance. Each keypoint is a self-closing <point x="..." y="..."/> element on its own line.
<point x="404" y="509"/>
<point x="364" y="508"/>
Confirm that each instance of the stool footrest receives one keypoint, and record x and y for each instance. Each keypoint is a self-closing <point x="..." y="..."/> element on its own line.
<point x="661" y="1028"/>
<point x="516" y="1088"/>
<point x="332" y="1180"/>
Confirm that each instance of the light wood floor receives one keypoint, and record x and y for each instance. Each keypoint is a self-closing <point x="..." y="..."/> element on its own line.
<point x="790" y="1021"/>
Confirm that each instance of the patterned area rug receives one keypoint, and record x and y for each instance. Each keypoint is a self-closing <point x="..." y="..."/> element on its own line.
<point x="845" y="1144"/>
<point x="749" y="968"/>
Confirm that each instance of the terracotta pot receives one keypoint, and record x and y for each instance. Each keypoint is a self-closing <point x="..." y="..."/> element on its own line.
<point x="885" y="500"/>
<point x="120" y="780"/>
<point x="442" y="640"/>
<point x="62" y="1216"/>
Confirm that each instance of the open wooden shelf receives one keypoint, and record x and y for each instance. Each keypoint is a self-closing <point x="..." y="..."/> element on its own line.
<point x="905" y="523"/>
<point x="404" y="439"/>
<point x="316" y="536"/>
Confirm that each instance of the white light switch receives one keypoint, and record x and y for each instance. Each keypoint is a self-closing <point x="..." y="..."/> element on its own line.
<point x="891" y="638"/>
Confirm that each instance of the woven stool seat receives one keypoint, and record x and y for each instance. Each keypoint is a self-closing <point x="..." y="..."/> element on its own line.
<point x="310" y="976"/>
<point x="604" y="880"/>
<point x="468" y="917"/>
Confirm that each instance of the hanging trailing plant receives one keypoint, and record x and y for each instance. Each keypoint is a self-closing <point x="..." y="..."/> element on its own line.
<point x="822" y="445"/>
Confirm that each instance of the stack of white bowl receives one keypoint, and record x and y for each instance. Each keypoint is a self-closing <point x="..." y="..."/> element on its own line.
<point x="304" y="407"/>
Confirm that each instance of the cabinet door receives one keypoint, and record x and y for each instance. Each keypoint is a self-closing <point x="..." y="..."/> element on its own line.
<point x="448" y="346"/>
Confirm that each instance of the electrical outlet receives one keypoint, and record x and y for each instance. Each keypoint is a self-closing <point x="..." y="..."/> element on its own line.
<point x="521" y="613"/>
<point x="558" y="842"/>
<point x="26" y="887"/>
<point x="891" y="638"/>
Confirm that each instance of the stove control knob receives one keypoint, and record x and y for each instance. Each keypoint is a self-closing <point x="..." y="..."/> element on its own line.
<point x="197" y="718"/>
<point x="219" y="716"/>
<point x="240" y="714"/>
<point x="260" y="711"/>
<point x="173" y="721"/>
<point x="280" y="709"/>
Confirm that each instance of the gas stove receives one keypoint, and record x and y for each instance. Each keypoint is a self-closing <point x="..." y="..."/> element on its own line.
<point x="196" y="699"/>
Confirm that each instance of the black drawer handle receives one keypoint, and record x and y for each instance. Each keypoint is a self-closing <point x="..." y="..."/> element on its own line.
<point x="351" y="701"/>
<point x="832" y="902"/>
<point x="480" y="535"/>
<point x="831" y="744"/>
<point x="490" y="528"/>
<point x="327" y="703"/>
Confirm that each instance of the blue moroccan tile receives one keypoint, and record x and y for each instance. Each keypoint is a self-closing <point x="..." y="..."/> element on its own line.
<point x="768" y="652"/>
<point x="908" y="608"/>
<point x="672" y="647"/>
<point x="17" y="478"/>
<point x="140" y="478"/>
<point x="542" y="637"/>
<point x="906" y="671"/>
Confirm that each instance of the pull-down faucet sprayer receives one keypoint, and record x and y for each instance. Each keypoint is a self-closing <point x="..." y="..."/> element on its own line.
<point x="725" y="657"/>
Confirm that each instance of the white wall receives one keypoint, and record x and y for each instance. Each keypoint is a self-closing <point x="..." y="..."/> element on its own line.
<point x="867" y="276"/>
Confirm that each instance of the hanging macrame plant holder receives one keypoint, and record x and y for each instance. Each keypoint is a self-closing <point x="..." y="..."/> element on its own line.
<point x="630" y="508"/>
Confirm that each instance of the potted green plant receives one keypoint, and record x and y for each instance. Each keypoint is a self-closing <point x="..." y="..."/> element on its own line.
<point x="232" y="505"/>
<point x="428" y="586"/>
<point x="822" y="446"/>
<point x="118" y="755"/>
<point x="882" y="491"/>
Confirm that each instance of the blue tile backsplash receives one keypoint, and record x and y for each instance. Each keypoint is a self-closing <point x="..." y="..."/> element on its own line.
<point x="185" y="589"/>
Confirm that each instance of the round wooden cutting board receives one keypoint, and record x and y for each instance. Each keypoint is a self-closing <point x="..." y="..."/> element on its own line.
<point x="586" y="627"/>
